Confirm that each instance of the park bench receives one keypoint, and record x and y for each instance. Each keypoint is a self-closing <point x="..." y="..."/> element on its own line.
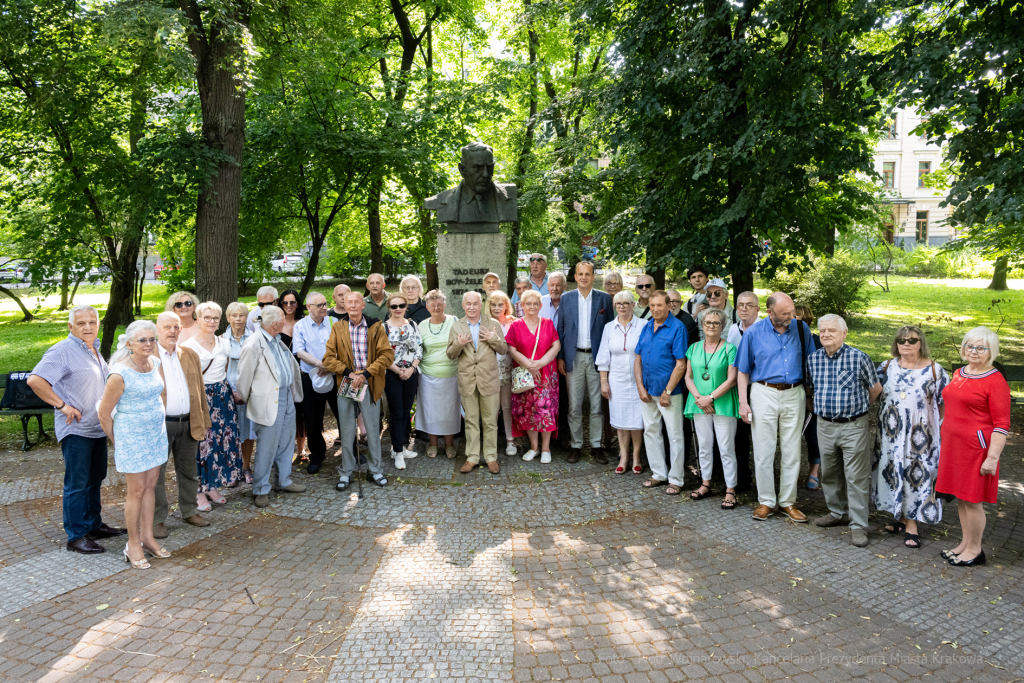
<point x="26" y="415"/>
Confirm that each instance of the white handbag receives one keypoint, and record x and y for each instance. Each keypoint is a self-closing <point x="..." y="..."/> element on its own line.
<point x="522" y="379"/>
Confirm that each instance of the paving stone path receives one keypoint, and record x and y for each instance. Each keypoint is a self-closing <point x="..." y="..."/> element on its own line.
<point x="542" y="573"/>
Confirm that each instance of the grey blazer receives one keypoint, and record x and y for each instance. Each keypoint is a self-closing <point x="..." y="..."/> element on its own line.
<point x="258" y="382"/>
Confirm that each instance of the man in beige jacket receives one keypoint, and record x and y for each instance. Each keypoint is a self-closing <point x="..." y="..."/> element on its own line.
<point x="270" y="383"/>
<point x="476" y="342"/>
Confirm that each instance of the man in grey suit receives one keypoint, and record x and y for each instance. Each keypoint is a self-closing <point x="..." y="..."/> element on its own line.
<point x="582" y="316"/>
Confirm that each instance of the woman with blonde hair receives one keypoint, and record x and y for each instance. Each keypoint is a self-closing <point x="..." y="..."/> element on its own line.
<point x="499" y="307"/>
<point x="973" y="433"/>
<point x="615" y="361"/>
<point x="219" y="456"/>
<point x="416" y="310"/>
<point x="438" y="407"/>
<point x="184" y="304"/>
<point x="533" y="344"/>
<point x="236" y="333"/>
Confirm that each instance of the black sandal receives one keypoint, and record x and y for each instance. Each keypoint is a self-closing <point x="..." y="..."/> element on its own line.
<point x="729" y="504"/>
<point x="909" y="537"/>
<point x="697" y="495"/>
<point x="381" y="481"/>
<point x="896" y="528"/>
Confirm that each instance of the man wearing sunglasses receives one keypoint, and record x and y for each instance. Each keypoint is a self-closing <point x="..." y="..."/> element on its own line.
<point x="718" y="298"/>
<point x="644" y="289"/>
<point x="538" y="275"/>
<point x="309" y="344"/>
<point x="265" y="296"/>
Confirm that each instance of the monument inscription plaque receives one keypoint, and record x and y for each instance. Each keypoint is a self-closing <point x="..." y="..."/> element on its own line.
<point x="471" y="243"/>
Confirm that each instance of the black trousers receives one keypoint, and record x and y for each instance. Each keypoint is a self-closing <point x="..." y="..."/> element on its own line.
<point x="313" y="417"/>
<point x="401" y="395"/>
<point x="563" y="409"/>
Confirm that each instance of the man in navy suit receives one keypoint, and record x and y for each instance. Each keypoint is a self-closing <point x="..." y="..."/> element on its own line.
<point x="582" y="316"/>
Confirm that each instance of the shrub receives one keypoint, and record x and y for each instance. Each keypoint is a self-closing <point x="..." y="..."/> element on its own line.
<point x="834" y="285"/>
<point x="788" y="281"/>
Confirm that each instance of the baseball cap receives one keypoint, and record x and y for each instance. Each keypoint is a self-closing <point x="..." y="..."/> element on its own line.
<point x="717" y="282"/>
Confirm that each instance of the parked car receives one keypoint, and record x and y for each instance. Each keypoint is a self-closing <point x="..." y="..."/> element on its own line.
<point x="12" y="272"/>
<point x="288" y="263"/>
<point x="162" y="268"/>
<point x="523" y="261"/>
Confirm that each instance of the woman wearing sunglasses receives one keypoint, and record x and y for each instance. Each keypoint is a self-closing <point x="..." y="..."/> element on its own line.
<point x="183" y="304"/>
<point x="401" y="379"/>
<point x="977" y="399"/>
<point x="907" y="448"/>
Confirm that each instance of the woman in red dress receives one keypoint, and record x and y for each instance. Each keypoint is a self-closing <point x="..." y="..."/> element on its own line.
<point x="973" y="433"/>
<point x="533" y="344"/>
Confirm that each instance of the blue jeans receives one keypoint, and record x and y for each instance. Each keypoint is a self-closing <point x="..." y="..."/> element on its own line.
<point x="811" y="436"/>
<point x="85" y="468"/>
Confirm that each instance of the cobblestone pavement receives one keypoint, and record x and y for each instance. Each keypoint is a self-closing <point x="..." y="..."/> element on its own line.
<point x="541" y="573"/>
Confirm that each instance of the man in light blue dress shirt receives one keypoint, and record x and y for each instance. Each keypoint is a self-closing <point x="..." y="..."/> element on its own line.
<point x="309" y="343"/>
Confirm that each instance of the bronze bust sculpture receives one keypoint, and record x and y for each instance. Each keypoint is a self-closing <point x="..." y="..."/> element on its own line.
<point x="477" y="204"/>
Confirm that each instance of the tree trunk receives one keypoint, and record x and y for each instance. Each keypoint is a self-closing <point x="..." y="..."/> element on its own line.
<point x="830" y="241"/>
<point x="24" y="311"/>
<point x="999" y="276"/>
<point x="65" y="285"/>
<point x="658" y="273"/>
<point x="373" y="223"/>
<point x="311" y="267"/>
<point x="120" y="306"/>
<point x="74" y="290"/>
<point x="222" y="102"/>
<point x="428" y="244"/>
<point x="141" y="276"/>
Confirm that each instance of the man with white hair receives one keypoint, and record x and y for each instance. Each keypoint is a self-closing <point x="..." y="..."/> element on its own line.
<point x="771" y="356"/>
<point x="717" y="293"/>
<point x="476" y="341"/>
<point x="71" y="378"/>
<point x="270" y="382"/>
<point x="264" y="297"/>
<point x="845" y="383"/>
<point x="550" y="302"/>
<point x="187" y="415"/>
<point x="309" y="344"/>
<point x="644" y="289"/>
<point x="549" y="308"/>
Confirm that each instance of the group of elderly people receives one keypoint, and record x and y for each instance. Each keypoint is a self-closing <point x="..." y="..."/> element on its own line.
<point x="174" y="389"/>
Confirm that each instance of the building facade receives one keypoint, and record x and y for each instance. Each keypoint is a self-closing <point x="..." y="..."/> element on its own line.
<point x="903" y="160"/>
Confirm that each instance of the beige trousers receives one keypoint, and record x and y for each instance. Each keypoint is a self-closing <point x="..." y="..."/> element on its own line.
<point x="481" y="410"/>
<point x="778" y="416"/>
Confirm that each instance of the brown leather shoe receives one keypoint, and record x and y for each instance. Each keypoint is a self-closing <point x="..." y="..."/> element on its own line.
<point x="262" y="501"/>
<point x="86" y="546"/>
<point x="574" y="455"/>
<point x="197" y="520"/>
<point x="493" y="467"/>
<point x="794" y="514"/>
<point x="599" y="456"/>
<point x="763" y="512"/>
<point x="469" y="467"/>
<point x="160" y="530"/>
<point x="829" y="520"/>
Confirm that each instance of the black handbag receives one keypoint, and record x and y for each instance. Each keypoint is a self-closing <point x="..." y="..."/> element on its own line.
<point x="19" y="396"/>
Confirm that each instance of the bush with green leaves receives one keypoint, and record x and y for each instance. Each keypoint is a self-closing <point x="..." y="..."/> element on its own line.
<point x="834" y="285"/>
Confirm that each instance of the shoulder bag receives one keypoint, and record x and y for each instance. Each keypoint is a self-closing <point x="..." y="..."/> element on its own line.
<point x="522" y="379"/>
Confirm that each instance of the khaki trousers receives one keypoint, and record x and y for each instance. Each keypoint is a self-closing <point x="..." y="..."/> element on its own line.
<point x="481" y="410"/>
<point x="851" y="467"/>
<point x="777" y="416"/>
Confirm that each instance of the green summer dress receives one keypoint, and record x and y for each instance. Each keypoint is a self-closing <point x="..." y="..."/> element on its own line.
<point x="717" y="364"/>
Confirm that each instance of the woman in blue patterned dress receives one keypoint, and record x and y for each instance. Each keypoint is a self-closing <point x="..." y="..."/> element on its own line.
<point x="138" y="433"/>
<point x="906" y="460"/>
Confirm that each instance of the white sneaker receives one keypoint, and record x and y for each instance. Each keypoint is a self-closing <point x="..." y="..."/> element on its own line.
<point x="529" y="455"/>
<point x="399" y="462"/>
<point x="510" y="449"/>
<point x="409" y="454"/>
<point x="545" y="457"/>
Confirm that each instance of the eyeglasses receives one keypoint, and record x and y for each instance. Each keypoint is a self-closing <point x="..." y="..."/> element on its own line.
<point x="908" y="340"/>
<point x="644" y="286"/>
<point x="747" y="305"/>
<point x="211" y="319"/>
<point x="712" y="324"/>
<point x="289" y="303"/>
<point x="183" y="304"/>
<point x="675" y="301"/>
<point x="714" y="295"/>
<point x="146" y="340"/>
<point x="535" y="259"/>
<point x="323" y="305"/>
<point x="976" y="349"/>
<point x="261" y="305"/>
<point x="395" y="307"/>
<point x="623" y="303"/>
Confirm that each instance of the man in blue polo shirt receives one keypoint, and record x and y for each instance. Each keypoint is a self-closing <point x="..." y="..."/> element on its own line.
<point x="659" y="367"/>
<point x="771" y="355"/>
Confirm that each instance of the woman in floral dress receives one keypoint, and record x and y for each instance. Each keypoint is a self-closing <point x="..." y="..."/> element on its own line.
<point x="907" y="448"/>
<point x="401" y="379"/>
<point x="533" y="344"/>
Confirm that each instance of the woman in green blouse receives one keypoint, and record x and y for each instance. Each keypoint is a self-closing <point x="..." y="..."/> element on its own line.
<point x="438" y="409"/>
<point x="713" y="403"/>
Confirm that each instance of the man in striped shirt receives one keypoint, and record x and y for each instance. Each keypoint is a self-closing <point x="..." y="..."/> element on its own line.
<point x="845" y="384"/>
<point x="70" y="377"/>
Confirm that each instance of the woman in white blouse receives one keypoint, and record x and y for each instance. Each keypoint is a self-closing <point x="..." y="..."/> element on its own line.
<point x="618" y="384"/>
<point x="220" y="455"/>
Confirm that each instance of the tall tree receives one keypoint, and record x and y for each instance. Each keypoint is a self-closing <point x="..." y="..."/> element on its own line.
<point x="733" y="125"/>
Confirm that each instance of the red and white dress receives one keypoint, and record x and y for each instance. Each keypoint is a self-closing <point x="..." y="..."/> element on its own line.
<point x="976" y="406"/>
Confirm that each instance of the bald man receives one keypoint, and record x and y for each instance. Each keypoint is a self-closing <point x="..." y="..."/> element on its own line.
<point x="771" y="362"/>
<point x="339" y="311"/>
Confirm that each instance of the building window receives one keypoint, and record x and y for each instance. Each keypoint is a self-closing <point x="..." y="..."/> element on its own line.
<point x="922" y="227"/>
<point x="923" y="169"/>
<point x="890" y="128"/>
<point x="889" y="173"/>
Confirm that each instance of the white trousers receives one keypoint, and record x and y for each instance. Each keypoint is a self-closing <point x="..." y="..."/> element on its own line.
<point x="653" y="414"/>
<point x="778" y="415"/>
<point x="724" y="428"/>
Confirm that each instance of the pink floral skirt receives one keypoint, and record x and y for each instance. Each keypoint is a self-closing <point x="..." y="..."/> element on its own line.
<point x="536" y="410"/>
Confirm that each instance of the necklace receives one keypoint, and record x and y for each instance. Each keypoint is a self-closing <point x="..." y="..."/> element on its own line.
<point x="707" y="375"/>
<point x="430" y="326"/>
<point x="902" y="378"/>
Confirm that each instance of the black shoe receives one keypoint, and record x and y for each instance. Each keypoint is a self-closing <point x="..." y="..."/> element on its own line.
<point x="599" y="456"/>
<point x="86" y="546"/>
<point x="342" y="485"/>
<point x="381" y="481"/>
<point x="104" y="531"/>
<point x="312" y="468"/>
<point x="574" y="455"/>
<point x="977" y="561"/>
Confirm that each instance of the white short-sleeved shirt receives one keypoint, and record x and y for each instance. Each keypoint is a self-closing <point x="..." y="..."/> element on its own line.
<point x="213" y="363"/>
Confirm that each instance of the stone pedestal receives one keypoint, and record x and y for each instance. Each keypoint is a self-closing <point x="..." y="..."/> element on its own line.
<point x="462" y="261"/>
